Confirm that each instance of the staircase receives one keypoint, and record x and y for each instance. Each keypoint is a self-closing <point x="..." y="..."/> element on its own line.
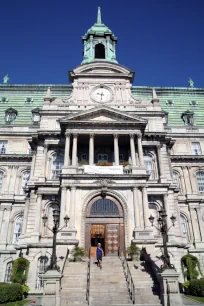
<point x="146" y="288"/>
<point x="74" y="284"/>
<point x="108" y="286"/>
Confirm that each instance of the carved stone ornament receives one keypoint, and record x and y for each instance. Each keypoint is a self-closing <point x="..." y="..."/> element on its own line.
<point x="104" y="182"/>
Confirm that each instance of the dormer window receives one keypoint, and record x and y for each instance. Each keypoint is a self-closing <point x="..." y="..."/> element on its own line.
<point x="3" y="100"/>
<point x="187" y="118"/>
<point x="100" y="51"/>
<point x="193" y="103"/>
<point x="29" y="100"/>
<point x="170" y="102"/>
<point x="36" y="115"/>
<point x="10" y="115"/>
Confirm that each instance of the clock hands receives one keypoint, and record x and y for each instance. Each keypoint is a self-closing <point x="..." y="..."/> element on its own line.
<point x="100" y="94"/>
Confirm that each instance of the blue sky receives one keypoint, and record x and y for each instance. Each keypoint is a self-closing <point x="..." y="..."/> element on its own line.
<point x="161" y="40"/>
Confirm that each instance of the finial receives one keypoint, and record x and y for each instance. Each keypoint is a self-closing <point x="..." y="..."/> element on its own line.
<point x="154" y="94"/>
<point x="48" y="94"/>
<point x="155" y="99"/>
<point x="191" y="83"/>
<point x="99" y="16"/>
<point x="6" y="79"/>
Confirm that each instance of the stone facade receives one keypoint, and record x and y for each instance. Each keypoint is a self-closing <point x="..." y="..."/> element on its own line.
<point x="67" y="145"/>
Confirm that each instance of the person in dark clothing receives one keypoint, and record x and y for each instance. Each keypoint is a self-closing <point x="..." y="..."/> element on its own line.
<point x="99" y="254"/>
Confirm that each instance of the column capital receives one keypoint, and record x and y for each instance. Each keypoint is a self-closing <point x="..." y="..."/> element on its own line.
<point x="64" y="188"/>
<point x="159" y="145"/>
<point x="132" y="136"/>
<point x="135" y="188"/>
<point x="139" y="135"/>
<point x="67" y="134"/>
<point x="75" y="135"/>
<point x="73" y="187"/>
<point x="116" y="135"/>
<point x="46" y="145"/>
<point x="91" y="135"/>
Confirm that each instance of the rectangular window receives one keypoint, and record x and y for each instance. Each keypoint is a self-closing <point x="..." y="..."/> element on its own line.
<point x="196" y="149"/>
<point x="3" y="146"/>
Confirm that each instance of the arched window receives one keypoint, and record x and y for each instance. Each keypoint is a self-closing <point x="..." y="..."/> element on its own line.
<point x="41" y="269"/>
<point x="100" y="51"/>
<point x="102" y="158"/>
<point x="57" y="164"/>
<point x="7" y="278"/>
<point x="1" y="178"/>
<point x="104" y="207"/>
<point x="176" y="179"/>
<point x="25" y="179"/>
<point x="149" y="165"/>
<point x="184" y="226"/>
<point x="18" y="226"/>
<point x="200" y="180"/>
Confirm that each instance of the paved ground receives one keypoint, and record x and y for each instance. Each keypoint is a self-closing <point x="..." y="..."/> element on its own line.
<point x="190" y="302"/>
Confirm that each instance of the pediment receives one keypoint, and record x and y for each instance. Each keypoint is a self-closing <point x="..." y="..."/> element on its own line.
<point x="104" y="115"/>
<point x="101" y="68"/>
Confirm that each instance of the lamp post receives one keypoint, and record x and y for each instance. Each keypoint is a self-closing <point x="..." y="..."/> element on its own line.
<point x="56" y="217"/>
<point x="162" y="221"/>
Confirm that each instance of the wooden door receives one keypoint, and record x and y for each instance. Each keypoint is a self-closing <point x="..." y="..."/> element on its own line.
<point x="112" y="239"/>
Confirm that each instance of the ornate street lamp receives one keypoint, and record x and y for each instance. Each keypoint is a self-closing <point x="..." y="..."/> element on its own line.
<point x="162" y="221"/>
<point x="56" y="218"/>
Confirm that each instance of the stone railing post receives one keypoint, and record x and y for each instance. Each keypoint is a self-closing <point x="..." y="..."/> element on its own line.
<point x="52" y="288"/>
<point x="169" y="288"/>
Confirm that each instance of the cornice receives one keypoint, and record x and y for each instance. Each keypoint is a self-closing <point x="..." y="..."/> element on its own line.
<point x="16" y="156"/>
<point x="188" y="157"/>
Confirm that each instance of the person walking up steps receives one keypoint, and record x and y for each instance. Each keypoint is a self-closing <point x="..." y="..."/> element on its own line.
<point x="99" y="254"/>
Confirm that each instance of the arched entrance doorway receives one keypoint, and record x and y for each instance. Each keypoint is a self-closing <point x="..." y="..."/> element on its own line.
<point x="105" y="224"/>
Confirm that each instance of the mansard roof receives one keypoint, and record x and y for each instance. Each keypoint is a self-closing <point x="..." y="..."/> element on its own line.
<point x="105" y="115"/>
<point x="182" y="98"/>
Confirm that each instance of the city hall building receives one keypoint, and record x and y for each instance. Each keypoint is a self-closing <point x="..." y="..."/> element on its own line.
<point x="107" y="154"/>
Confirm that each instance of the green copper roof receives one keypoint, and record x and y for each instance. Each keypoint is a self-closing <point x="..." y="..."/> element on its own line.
<point x="16" y="96"/>
<point x="99" y="27"/>
<point x="181" y="98"/>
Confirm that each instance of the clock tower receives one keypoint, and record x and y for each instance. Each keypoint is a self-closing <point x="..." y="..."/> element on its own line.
<point x="99" y="43"/>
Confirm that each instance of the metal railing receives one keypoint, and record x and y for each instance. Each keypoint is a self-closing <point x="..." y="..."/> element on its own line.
<point x="128" y="277"/>
<point x="88" y="278"/>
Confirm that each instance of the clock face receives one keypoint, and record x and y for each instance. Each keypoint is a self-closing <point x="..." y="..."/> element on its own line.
<point x="102" y="95"/>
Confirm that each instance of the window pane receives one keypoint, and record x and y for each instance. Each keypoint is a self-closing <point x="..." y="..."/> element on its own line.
<point x="17" y="228"/>
<point x="200" y="180"/>
<point x="196" y="149"/>
<point x="8" y="272"/>
<point x="58" y="163"/>
<point x="1" y="178"/>
<point x="3" y="147"/>
<point x="148" y="163"/>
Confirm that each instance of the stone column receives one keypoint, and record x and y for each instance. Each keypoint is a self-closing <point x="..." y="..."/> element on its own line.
<point x="200" y="223"/>
<point x="74" y="150"/>
<point x="91" y="149"/>
<point x="145" y="207"/>
<point x="136" y="207"/>
<point x="33" y="163"/>
<point x="116" y="150"/>
<point x="67" y="149"/>
<point x="25" y="216"/>
<point x="159" y="157"/>
<point x="194" y="222"/>
<point x="44" y="160"/>
<point x="72" y="207"/>
<point x="140" y="151"/>
<point x="38" y="213"/>
<point x="132" y="149"/>
<point x="63" y="206"/>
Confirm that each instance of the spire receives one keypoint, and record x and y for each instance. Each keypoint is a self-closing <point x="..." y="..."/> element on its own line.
<point x="99" y="21"/>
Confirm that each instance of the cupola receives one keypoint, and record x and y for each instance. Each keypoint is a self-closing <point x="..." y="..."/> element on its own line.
<point x="99" y="43"/>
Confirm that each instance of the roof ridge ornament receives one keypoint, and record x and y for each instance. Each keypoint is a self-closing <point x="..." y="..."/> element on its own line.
<point x="191" y="83"/>
<point x="99" y="21"/>
<point x="6" y="79"/>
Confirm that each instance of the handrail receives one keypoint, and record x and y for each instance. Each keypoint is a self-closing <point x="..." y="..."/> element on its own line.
<point x="88" y="278"/>
<point x="128" y="277"/>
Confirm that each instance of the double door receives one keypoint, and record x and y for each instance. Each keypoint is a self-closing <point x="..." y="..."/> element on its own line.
<point x="110" y="235"/>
